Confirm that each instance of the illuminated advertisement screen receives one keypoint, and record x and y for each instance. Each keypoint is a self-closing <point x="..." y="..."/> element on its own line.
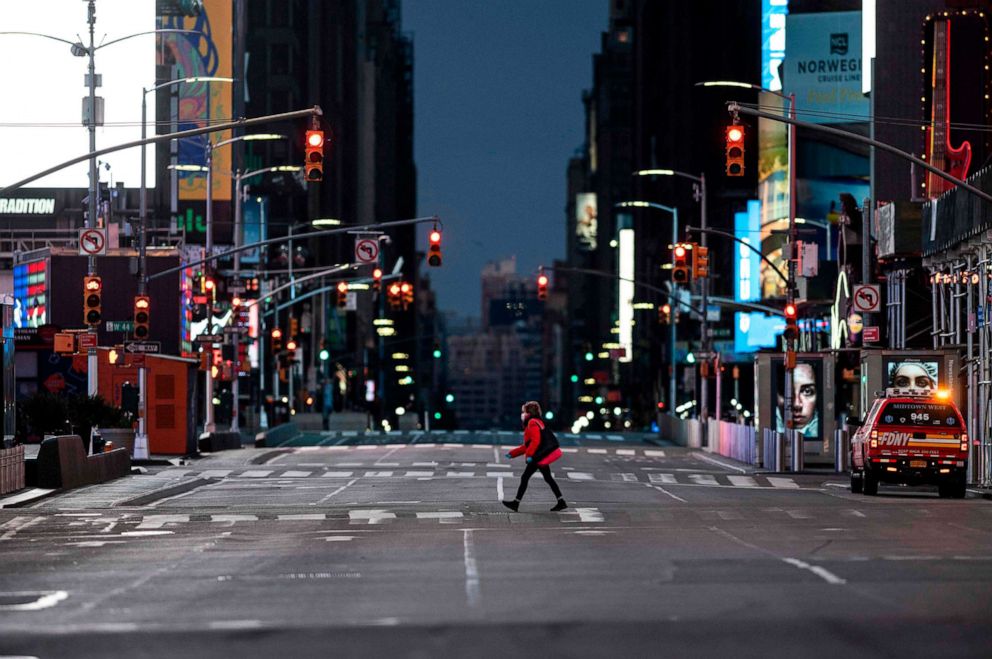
<point x="45" y="72"/>
<point x="807" y="399"/>
<point x="31" y="294"/>
<point x="905" y="372"/>
<point x="747" y="269"/>
<point x="773" y="13"/>
<point x="586" y="223"/>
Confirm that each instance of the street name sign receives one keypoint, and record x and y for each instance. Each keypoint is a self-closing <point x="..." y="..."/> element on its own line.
<point x="143" y="346"/>
<point x="119" y="325"/>
<point x="210" y="338"/>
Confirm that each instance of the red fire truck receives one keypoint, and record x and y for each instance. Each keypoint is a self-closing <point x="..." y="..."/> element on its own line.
<point x="912" y="437"/>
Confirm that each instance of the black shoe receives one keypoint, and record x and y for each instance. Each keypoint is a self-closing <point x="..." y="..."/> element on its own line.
<point x="512" y="505"/>
<point x="561" y="505"/>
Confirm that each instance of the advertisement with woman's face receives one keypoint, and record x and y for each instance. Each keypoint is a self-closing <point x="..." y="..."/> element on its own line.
<point x="806" y="402"/>
<point x="905" y="373"/>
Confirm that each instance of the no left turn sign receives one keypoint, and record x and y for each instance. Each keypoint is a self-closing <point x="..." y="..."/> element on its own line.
<point x="366" y="250"/>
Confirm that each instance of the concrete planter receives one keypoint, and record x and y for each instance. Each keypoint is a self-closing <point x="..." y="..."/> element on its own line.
<point x="11" y="469"/>
<point x="121" y="437"/>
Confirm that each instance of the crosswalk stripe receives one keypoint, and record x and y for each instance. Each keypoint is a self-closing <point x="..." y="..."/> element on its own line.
<point x="782" y="482"/>
<point x="296" y="474"/>
<point x="628" y="478"/>
<point x="419" y="474"/>
<point x="597" y="451"/>
<point x="302" y="517"/>
<point x="663" y="478"/>
<point x="370" y="516"/>
<point x="626" y="451"/>
<point x="580" y="476"/>
<point x="378" y="474"/>
<point x="654" y="454"/>
<point x="256" y="473"/>
<point x="215" y="473"/>
<point x="337" y="474"/>
<point x="158" y="521"/>
<point x="460" y="474"/>
<point x="231" y="519"/>
<point x="499" y="474"/>
<point x="742" y="481"/>
<point x="424" y="464"/>
<point x="367" y="447"/>
<point x="589" y="514"/>
<point x="570" y="450"/>
<point x="703" y="479"/>
<point x="444" y="517"/>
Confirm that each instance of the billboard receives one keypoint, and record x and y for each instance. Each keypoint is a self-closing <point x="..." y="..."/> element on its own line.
<point x="208" y="53"/>
<point x="625" y="292"/>
<point x="586" y="223"/>
<point x="823" y="66"/>
<point x="773" y="13"/>
<point x="31" y="293"/>
<point x="44" y="86"/>
<point x="915" y="372"/>
<point x="747" y="228"/>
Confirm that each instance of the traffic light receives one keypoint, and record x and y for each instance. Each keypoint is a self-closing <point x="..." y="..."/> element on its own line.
<point x="291" y="345"/>
<point x="680" y="267"/>
<point x="735" y="150"/>
<point x="406" y="291"/>
<point x="294" y="327"/>
<point x="437" y="351"/>
<point x="342" y="294"/>
<point x="700" y="262"/>
<point x="665" y="314"/>
<point x="542" y="286"/>
<point x="314" y="158"/>
<point x="791" y="328"/>
<point x="92" y="300"/>
<point x="142" y="320"/>
<point x="393" y="294"/>
<point x="276" y="339"/>
<point x="434" y="251"/>
<point x="377" y="280"/>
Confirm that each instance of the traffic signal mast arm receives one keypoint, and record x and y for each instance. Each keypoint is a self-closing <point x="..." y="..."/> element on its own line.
<point x="742" y="242"/>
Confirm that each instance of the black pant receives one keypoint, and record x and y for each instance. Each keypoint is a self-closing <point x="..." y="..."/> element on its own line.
<point x="529" y="471"/>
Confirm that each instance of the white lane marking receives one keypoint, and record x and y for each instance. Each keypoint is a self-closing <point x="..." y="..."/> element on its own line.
<point x="663" y="478"/>
<point x="853" y="513"/>
<point x="797" y="514"/>
<point x="450" y="445"/>
<point x="471" y="570"/>
<point x="493" y="465"/>
<point x="310" y="464"/>
<point x="495" y="454"/>
<point x="570" y="450"/>
<point x="18" y="523"/>
<point x="821" y="572"/>
<point x="703" y="479"/>
<point x="626" y="451"/>
<point x="615" y="438"/>
<point x="367" y="447"/>
<point x="93" y="543"/>
<point x="419" y="474"/>
<point x="580" y="476"/>
<point x="370" y="516"/>
<point x="628" y="477"/>
<point x="654" y="454"/>
<point x="719" y="463"/>
<point x="445" y="517"/>
<point x="215" y="473"/>
<point x="44" y="600"/>
<point x="340" y="489"/>
<point x="349" y="464"/>
<point x="592" y="532"/>
<point x="378" y="474"/>
<point x="499" y="488"/>
<point x="230" y="520"/>
<point x="498" y="474"/>
<point x="340" y="538"/>
<point x="460" y="474"/>
<point x="301" y="517"/>
<point x="296" y="474"/>
<point x="158" y="521"/>
<point x="337" y="474"/>
<point x="742" y="481"/>
<point x="776" y="481"/>
<point x="144" y="534"/>
<point x="234" y="624"/>
<point x="424" y="464"/>
<point x="256" y="473"/>
<point x="594" y="437"/>
<point x="589" y="514"/>
<point x="385" y="464"/>
<point x="596" y="451"/>
<point x="664" y="491"/>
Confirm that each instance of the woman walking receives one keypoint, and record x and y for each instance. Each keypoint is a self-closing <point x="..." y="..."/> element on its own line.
<point x="541" y="448"/>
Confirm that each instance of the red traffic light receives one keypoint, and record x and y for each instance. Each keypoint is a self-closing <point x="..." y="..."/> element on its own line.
<point x="93" y="284"/>
<point x="434" y="251"/>
<point x="208" y="284"/>
<point x="276" y="333"/>
<point x="315" y="138"/>
<point x="291" y="345"/>
<point x="735" y="134"/>
<point x="435" y="237"/>
<point x="314" y="156"/>
<point x="679" y="251"/>
<point x="404" y="287"/>
<point x="542" y="280"/>
<point x="734" y="163"/>
<point x="394" y="289"/>
<point x="377" y="274"/>
<point x="661" y="405"/>
<point x="790" y="311"/>
<point x="343" y="287"/>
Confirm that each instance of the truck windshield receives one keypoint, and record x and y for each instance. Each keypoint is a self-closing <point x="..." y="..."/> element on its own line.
<point x="920" y="415"/>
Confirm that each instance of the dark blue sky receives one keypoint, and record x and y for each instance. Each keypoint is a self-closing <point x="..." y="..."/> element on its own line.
<point x="498" y="87"/>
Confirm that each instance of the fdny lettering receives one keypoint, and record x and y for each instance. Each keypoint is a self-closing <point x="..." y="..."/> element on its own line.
<point x="893" y="438"/>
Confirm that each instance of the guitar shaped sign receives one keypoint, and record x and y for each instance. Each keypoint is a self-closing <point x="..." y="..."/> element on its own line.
<point x="939" y="151"/>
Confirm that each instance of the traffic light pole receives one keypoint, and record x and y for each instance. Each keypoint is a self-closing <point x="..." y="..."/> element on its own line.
<point x="704" y="325"/>
<point x="209" y="424"/>
<point x="236" y="339"/>
<point x="92" y="361"/>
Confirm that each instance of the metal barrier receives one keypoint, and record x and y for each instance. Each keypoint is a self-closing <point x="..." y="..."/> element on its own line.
<point x="842" y="450"/>
<point x="796" y="459"/>
<point x="11" y="469"/>
<point x="732" y="440"/>
<point x="684" y="432"/>
<point x="773" y="450"/>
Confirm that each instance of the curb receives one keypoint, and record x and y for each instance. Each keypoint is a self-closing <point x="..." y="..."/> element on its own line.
<point x="27" y="496"/>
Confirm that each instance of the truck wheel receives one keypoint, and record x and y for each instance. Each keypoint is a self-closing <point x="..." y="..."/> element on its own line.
<point x="857" y="482"/>
<point x="943" y="490"/>
<point x="870" y="483"/>
<point x="959" y="488"/>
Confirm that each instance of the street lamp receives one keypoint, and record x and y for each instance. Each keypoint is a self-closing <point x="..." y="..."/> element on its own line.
<point x="672" y="330"/>
<point x="791" y="255"/>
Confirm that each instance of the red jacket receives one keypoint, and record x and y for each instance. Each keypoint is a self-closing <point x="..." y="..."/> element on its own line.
<point x="532" y="439"/>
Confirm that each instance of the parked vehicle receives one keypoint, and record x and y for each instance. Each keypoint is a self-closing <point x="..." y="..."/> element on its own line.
<point x="913" y="437"/>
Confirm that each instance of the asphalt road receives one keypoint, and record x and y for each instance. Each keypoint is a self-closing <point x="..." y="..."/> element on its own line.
<point x="405" y="550"/>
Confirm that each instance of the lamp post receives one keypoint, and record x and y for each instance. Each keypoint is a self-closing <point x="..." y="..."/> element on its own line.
<point x="672" y="329"/>
<point x="790" y="252"/>
<point x="141" y="438"/>
<point x="699" y="184"/>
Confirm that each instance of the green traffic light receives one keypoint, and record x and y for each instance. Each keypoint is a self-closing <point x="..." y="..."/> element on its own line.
<point x="324" y="355"/>
<point x="588" y="356"/>
<point x="575" y="378"/>
<point x="437" y="353"/>
<point x="450" y="398"/>
<point x="599" y="400"/>
<point x="437" y="416"/>
<point x="690" y="358"/>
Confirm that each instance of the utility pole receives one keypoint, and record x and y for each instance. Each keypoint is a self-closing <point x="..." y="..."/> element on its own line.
<point x="92" y="361"/>
<point x="704" y="409"/>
